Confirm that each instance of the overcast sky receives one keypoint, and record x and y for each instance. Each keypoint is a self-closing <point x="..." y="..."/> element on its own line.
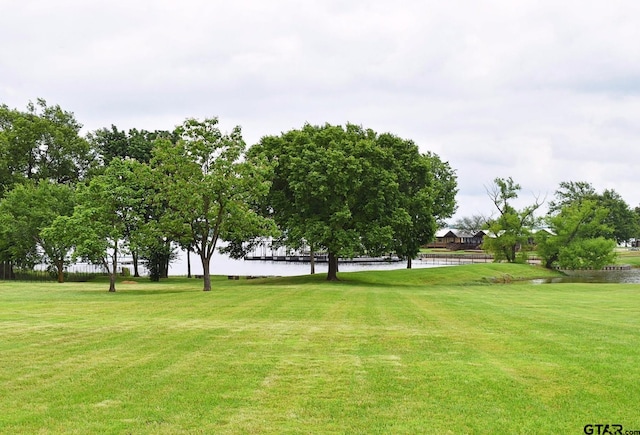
<point x="542" y="91"/>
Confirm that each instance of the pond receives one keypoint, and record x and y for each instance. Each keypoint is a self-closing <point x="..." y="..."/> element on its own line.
<point x="631" y="276"/>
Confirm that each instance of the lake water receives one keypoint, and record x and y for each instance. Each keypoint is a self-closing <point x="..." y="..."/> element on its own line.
<point x="223" y="265"/>
<point x="597" y="276"/>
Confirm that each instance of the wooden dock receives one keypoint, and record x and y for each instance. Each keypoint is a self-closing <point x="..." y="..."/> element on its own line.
<point x="320" y="259"/>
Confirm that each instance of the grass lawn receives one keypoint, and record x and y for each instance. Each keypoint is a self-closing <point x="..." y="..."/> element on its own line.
<point x="627" y="256"/>
<point x="465" y="349"/>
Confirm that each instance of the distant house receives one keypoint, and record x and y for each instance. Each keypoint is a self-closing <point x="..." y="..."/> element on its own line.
<point x="535" y="231"/>
<point x="457" y="239"/>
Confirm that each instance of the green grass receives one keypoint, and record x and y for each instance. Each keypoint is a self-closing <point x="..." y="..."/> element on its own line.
<point x="443" y="350"/>
<point x="627" y="256"/>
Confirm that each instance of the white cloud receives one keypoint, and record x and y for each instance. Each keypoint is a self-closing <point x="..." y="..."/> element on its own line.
<point x="541" y="91"/>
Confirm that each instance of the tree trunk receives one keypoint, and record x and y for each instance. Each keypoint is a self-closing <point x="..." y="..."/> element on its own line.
<point x="134" y="256"/>
<point x="206" y="263"/>
<point x="112" y="282"/>
<point x="114" y="266"/>
<point x="59" y="266"/>
<point x="188" y="263"/>
<point x="312" y="259"/>
<point x="332" y="275"/>
<point x="165" y="266"/>
<point x="409" y="263"/>
<point x="7" y="270"/>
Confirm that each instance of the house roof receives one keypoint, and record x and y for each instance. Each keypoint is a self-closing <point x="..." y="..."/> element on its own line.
<point x="448" y="232"/>
<point x="546" y="230"/>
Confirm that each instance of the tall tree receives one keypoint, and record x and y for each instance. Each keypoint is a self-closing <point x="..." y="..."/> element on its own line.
<point x="577" y="237"/>
<point x="319" y="196"/>
<point x="109" y="143"/>
<point x="511" y="230"/>
<point x="620" y="217"/>
<point x="42" y="143"/>
<point x="347" y="191"/>
<point x="570" y="192"/>
<point x="25" y="213"/>
<point x="471" y="224"/>
<point x="427" y="189"/>
<point x="108" y="209"/>
<point x="209" y="188"/>
<point x="150" y="241"/>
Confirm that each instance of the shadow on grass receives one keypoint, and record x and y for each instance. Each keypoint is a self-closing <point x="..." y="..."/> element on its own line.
<point x="419" y="278"/>
<point x="387" y="278"/>
<point x="473" y="274"/>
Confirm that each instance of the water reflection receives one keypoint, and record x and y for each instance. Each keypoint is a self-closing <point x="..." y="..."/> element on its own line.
<point x="596" y="276"/>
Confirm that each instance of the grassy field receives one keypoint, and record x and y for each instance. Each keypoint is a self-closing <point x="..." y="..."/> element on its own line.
<point x="466" y="349"/>
<point x="628" y="256"/>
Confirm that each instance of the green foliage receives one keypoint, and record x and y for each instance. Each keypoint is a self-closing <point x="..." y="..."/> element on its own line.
<point x="573" y="229"/>
<point x="592" y="253"/>
<point x="427" y="188"/>
<point x="620" y="218"/>
<point x="211" y="192"/>
<point x="108" y="211"/>
<point x="510" y="232"/>
<point x="27" y="214"/>
<point x="349" y="191"/>
<point x="110" y="143"/>
<point x="42" y="143"/>
<point x="571" y="192"/>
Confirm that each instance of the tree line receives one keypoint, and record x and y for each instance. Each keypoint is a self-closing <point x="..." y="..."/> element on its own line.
<point x="343" y="190"/>
<point x="580" y="229"/>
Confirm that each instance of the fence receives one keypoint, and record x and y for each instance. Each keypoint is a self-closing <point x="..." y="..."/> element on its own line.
<point x="465" y="258"/>
<point x="456" y="258"/>
<point x="76" y="273"/>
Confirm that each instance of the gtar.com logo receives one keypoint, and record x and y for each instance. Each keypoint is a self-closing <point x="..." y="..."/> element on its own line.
<point x="603" y="429"/>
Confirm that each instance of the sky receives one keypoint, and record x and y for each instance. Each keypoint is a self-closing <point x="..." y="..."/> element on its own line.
<point x="538" y="90"/>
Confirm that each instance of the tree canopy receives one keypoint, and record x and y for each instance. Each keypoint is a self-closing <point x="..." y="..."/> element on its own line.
<point x="136" y="144"/>
<point x="578" y="234"/>
<point x="42" y="143"/>
<point x="576" y="237"/>
<point x="349" y="191"/>
<point x="108" y="209"/>
<point x="209" y="188"/>
<point x="25" y="213"/>
<point x="427" y="190"/>
<point x="510" y="231"/>
<point x="343" y="190"/>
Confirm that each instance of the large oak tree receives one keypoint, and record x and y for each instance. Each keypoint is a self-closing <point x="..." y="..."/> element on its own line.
<point x="346" y="190"/>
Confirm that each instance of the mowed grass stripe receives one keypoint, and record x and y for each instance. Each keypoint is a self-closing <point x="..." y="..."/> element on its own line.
<point x="384" y="352"/>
